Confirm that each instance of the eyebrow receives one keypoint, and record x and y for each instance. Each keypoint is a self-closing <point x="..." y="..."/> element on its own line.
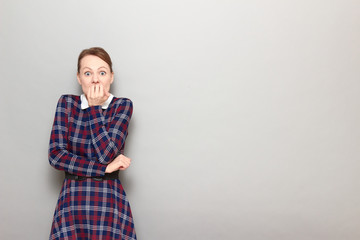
<point x="98" y="68"/>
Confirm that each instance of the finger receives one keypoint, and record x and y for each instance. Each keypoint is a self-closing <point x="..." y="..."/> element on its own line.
<point x="127" y="165"/>
<point x="96" y="91"/>
<point x="123" y="167"/>
<point x="101" y="91"/>
<point x="127" y="161"/>
<point x="122" y="157"/>
<point x="88" y="92"/>
<point x="93" y="91"/>
<point x="124" y="163"/>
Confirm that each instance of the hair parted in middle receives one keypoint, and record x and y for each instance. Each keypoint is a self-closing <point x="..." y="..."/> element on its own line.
<point x="96" y="51"/>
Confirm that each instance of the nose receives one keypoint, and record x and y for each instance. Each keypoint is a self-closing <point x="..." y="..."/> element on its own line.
<point x="95" y="79"/>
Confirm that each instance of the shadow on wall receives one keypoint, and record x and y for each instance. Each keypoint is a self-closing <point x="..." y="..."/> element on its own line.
<point x="55" y="179"/>
<point x="128" y="182"/>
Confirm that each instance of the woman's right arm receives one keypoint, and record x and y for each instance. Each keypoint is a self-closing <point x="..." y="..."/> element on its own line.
<point x="59" y="157"/>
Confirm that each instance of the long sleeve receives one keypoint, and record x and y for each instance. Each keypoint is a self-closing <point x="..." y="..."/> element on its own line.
<point x="108" y="143"/>
<point x="59" y="156"/>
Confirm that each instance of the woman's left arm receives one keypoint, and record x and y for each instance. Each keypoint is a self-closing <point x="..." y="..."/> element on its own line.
<point x="107" y="144"/>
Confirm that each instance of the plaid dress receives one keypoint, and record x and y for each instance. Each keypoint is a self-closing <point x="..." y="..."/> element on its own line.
<point x="83" y="142"/>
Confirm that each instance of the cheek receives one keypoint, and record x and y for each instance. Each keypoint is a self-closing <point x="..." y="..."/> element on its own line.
<point x="106" y="83"/>
<point x="107" y="87"/>
<point x="85" y="89"/>
<point x="85" y="85"/>
<point x="84" y="81"/>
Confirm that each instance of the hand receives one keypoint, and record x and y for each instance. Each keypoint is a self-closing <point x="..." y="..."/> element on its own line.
<point x="121" y="162"/>
<point x="97" y="95"/>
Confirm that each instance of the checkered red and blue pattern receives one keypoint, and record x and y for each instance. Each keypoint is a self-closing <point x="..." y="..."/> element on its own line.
<point x="83" y="142"/>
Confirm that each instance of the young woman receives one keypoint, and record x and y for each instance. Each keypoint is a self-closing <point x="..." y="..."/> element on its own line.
<point x="87" y="142"/>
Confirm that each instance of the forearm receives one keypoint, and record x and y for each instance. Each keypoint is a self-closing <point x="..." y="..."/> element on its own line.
<point x="104" y="146"/>
<point x="108" y="143"/>
<point x="59" y="155"/>
<point x="65" y="161"/>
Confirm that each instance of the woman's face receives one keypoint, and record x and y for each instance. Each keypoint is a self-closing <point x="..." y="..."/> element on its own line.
<point x="94" y="70"/>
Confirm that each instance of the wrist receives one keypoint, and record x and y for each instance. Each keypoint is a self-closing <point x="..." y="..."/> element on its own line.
<point x="92" y="104"/>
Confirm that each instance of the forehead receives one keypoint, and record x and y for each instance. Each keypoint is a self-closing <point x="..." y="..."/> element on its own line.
<point x="93" y="62"/>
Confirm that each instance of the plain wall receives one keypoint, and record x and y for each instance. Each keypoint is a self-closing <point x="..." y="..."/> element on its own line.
<point x="246" y="113"/>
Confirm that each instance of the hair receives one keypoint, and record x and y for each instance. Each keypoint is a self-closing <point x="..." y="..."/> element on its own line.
<point x="95" y="51"/>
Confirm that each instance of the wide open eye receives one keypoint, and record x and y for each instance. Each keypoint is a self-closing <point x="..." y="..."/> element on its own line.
<point x="87" y="73"/>
<point x="102" y="73"/>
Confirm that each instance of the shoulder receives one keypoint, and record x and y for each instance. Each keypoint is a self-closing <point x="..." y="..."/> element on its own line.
<point x="123" y="105"/>
<point x="120" y="101"/>
<point x="69" y="98"/>
<point x="69" y="101"/>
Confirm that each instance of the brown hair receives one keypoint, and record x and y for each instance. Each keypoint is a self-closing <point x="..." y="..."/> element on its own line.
<point x="96" y="51"/>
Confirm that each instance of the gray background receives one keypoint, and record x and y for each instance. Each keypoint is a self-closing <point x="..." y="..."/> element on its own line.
<point x="246" y="113"/>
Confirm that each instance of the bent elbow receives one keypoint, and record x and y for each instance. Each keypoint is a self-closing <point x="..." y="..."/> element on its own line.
<point x="53" y="158"/>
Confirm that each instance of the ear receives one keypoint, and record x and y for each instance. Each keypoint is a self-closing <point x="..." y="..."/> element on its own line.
<point x="78" y="78"/>
<point x="112" y="78"/>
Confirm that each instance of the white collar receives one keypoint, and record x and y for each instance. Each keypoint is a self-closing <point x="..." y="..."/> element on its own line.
<point x="85" y="103"/>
